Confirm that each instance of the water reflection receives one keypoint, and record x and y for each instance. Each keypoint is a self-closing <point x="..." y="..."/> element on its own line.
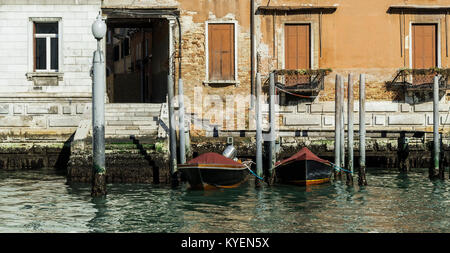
<point x="99" y="204"/>
<point x="35" y="201"/>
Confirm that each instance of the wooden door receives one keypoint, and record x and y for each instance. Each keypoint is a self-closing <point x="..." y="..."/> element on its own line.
<point x="221" y="51"/>
<point x="297" y="51"/>
<point x="424" y="50"/>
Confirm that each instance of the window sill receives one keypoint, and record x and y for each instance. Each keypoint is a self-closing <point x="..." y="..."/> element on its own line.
<point x="221" y="82"/>
<point x="45" y="78"/>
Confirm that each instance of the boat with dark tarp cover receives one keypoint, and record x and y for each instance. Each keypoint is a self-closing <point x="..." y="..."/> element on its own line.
<point x="303" y="168"/>
<point x="212" y="170"/>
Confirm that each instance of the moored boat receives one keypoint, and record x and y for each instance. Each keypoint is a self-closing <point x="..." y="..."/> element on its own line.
<point x="212" y="170"/>
<point x="303" y="168"/>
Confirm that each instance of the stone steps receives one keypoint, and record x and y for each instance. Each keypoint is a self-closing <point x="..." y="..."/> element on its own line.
<point x="124" y="120"/>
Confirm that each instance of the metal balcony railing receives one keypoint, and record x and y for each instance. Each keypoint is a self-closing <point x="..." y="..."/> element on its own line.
<point x="420" y="79"/>
<point x="300" y="81"/>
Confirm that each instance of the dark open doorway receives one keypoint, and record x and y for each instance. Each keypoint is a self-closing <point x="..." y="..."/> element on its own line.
<point x="137" y="59"/>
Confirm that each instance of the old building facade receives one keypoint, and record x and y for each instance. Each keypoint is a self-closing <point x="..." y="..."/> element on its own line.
<point x="47" y="51"/>
<point x="378" y="39"/>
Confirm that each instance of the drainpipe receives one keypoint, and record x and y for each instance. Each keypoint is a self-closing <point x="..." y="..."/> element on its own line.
<point x="252" y="52"/>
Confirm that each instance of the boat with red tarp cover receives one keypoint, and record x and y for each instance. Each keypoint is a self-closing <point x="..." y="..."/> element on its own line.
<point x="303" y="168"/>
<point x="212" y="170"/>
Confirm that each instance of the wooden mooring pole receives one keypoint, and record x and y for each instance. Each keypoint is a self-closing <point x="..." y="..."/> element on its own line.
<point x="337" y="125"/>
<point x="436" y="140"/>
<point x="172" y="132"/>
<point x="259" y="165"/>
<point x="182" y="131"/>
<point x="350" y="131"/>
<point x="272" y="135"/>
<point x="362" y="130"/>
<point x="342" y="118"/>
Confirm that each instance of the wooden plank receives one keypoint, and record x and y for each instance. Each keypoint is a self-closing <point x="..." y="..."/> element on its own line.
<point x="418" y="8"/>
<point x="295" y="9"/>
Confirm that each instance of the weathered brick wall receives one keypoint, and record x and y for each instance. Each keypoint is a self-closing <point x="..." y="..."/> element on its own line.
<point x="196" y="87"/>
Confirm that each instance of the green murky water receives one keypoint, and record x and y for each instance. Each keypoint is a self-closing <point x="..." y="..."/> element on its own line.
<point x="38" y="201"/>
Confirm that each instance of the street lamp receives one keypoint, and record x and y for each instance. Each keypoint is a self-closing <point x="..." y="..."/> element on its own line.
<point x="98" y="112"/>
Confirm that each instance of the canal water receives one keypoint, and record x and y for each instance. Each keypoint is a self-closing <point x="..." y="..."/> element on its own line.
<point x="41" y="201"/>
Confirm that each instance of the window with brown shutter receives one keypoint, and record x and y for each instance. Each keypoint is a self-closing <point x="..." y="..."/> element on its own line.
<point x="297" y="51"/>
<point x="424" y="46"/>
<point x="221" y="52"/>
<point x="297" y="47"/>
<point x="424" y="50"/>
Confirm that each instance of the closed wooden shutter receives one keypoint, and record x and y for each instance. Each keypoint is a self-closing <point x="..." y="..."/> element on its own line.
<point x="297" y="51"/>
<point x="297" y="46"/>
<point x="424" y="46"/>
<point x="424" y="51"/>
<point x="221" y="51"/>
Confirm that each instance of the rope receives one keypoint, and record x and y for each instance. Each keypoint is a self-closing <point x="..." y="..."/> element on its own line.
<point x="339" y="168"/>
<point x="254" y="174"/>
<point x="293" y="94"/>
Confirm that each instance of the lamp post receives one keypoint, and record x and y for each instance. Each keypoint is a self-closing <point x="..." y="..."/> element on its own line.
<point x="98" y="112"/>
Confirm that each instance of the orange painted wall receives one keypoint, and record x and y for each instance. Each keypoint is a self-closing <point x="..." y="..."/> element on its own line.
<point x="359" y="37"/>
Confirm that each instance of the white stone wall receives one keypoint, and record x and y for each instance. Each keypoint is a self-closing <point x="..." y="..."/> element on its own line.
<point x="77" y="47"/>
<point x="58" y="108"/>
<point x="384" y="115"/>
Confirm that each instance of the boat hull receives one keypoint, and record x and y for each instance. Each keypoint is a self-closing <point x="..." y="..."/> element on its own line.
<point x="207" y="176"/>
<point x="305" y="172"/>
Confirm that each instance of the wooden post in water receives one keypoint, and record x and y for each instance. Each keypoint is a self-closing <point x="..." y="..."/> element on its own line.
<point x="172" y="132"/>
<point x="182" y="131"/>
<point x="337" y="126"/>
<point x="436" y="140"/>
<point x="342" y="133"/>
<point x="272" y="136"/>
<point x="350" y="130"/>
<point x="362" y="130"/>
<point x="259" y="166"/>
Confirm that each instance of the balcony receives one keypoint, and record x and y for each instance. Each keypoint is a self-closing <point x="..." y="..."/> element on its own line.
<point x="302" y="81"/>
<point x="416" y="80"/>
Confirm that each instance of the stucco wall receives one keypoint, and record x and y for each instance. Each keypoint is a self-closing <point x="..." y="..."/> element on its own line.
<point x="359" y="37"/>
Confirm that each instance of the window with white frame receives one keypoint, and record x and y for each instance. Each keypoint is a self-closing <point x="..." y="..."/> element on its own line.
<point x="45" y="38"/>
<point x="221" y="52"/>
